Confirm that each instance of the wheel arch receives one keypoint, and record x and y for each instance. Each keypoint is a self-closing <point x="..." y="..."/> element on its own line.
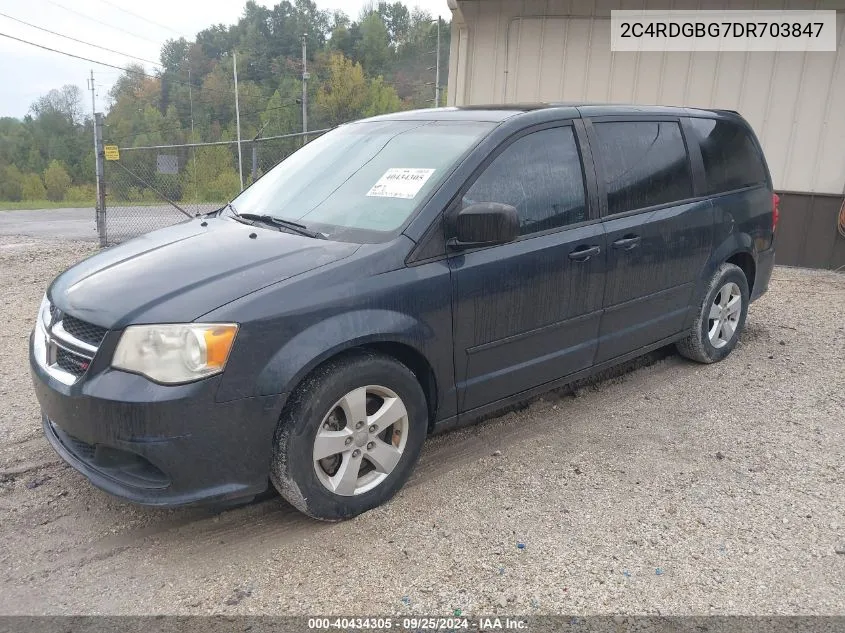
<point x="738" y="249"/>
<point x="745" y="261"/>
<point x="393" y="334"/>
<point x="416" y="361"/>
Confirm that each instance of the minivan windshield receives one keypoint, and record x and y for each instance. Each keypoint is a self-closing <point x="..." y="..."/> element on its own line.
<point x="362" y="181"/>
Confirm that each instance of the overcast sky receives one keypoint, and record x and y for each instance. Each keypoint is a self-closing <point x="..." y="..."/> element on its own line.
<point x="27" y="72"/>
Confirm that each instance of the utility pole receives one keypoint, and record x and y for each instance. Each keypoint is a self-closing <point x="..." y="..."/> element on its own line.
<point x="193" y="140"/>
<point x="254" y="161"/>
<point x="437" y="69"/>
<point x="255" y="150"/>
<point x="305" y="77"/>
<point x="238" y="119"/>
<point x="99" y="204"/>
<point x="93" y="97"/>
<point x="191" y="100"/>
<point x="99" y="168"/>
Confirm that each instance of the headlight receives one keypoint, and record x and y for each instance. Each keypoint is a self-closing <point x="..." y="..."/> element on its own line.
<point x="175" y="353"/>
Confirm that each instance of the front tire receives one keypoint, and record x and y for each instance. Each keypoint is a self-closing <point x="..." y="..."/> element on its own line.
<point x="350" y="436"/>
<point x="721" y="318"/>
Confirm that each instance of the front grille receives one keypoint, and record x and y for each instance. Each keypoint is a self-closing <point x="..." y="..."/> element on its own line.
<point x="86" y="332"/>
<point x="68" y="345"/>
<point x="71" y="363"/>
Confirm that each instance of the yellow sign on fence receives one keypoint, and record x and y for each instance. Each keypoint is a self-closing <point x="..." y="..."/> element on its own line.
<point x="112" y="152"/>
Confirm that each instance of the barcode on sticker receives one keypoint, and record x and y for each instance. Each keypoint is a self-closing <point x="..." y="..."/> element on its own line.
<point x="400" y="182"/>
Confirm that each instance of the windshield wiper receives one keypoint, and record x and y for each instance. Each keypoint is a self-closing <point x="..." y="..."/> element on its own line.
<point x="279" y="223"/>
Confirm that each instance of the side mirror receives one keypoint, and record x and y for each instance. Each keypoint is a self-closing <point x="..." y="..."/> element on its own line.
<point x="485" y="224"/>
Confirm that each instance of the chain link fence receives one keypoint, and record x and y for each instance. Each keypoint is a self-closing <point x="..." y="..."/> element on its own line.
<point x="149" y="188"/>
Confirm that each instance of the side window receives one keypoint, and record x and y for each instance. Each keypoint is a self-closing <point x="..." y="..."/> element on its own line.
<point x="540" y="174"/>
<point x="730" y="155"/>
<point x="644" y="163"/>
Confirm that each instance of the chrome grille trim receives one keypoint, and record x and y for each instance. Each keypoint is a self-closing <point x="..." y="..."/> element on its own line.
<point x="55" y="337"/>
<point x="66" y="337"/>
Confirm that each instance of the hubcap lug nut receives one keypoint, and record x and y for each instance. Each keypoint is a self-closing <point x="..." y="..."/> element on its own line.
<point x="373" y="428"/>
<point x="348" y="441"/>
<point x="371" y="446"/>
<point x="356" y="453"/>
<point x="359" y="425"/>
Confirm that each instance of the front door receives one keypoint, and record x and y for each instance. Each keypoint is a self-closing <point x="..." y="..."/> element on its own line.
<point x="658" y="235"/>
<point x="528" y="312"/>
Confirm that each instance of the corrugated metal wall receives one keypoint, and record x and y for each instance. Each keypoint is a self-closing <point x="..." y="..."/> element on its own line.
<point x="807" y="234"/>
<point x="506" y="51"/>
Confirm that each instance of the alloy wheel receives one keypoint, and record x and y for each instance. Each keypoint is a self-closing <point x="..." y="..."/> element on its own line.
<point x="360" y="440"/>
<point x="724" y="315"/>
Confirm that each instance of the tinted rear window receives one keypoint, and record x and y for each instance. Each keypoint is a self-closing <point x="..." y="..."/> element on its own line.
<point x="730" y="155"/>
<point x="644" y="164"/>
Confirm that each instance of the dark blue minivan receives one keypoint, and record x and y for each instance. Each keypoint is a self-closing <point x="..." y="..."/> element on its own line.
<point x="398" y="276"/>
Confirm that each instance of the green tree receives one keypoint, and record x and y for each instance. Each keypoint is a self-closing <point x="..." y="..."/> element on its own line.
<point x="11" y="183"/>
<point x="174" y="53"/>
<point x="381" y="98"/>
<point x="397" y="20"/>
<point x="282" y="114"/>
<point x="15" y="142"/>
<point x="213" y="171"/>
<point x="65" y="103"/>
<point x="378" y="61"/>
<point x="374" y="51"/>
<point x="56" y="181"/>
<point x="32" y="188"/>
<point x="344" y="94"/>
<point x="224" y="187"/>
<point x="344" y="35"/>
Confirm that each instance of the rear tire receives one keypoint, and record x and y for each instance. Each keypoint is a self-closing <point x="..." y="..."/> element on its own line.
<point x="721" y="318"/>
<point x="350" y="436"/>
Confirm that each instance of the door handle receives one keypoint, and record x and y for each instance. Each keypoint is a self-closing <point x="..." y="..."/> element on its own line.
<point x="583" y="253"/>
<point x="628" y="242"/>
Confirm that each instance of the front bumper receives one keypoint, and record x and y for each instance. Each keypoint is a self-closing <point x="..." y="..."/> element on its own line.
<point x="155" y="444"/>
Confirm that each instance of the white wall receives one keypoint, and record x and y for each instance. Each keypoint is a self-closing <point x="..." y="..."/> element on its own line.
<point x="506" y="51"/>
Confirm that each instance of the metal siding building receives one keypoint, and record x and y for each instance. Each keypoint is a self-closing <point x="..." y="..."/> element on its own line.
<point x="510" y="51"/>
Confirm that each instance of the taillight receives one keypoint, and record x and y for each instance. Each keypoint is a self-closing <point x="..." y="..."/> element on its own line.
<point x="775" y="211"/>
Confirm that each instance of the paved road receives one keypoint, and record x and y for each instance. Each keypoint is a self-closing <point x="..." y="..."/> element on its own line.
<point x="78" y="224"/>
<point x="73" y="224"/>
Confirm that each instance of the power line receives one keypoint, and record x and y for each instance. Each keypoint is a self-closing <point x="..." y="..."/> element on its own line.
<point x="233" y="141"/>
<point x="138" y="72"/>
<point x="86" y="59"/>
<point x="73" y="39"/>
<point x="125" y="70"/>
<point x="154" y="130"/>
<point x="114" y="139"/>
<point x="293" y="103"/>
<point x="111" y="26"/>
<point x="140" y="17"/>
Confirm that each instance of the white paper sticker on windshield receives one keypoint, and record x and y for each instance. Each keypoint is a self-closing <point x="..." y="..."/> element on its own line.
<point x="400" y="182"/>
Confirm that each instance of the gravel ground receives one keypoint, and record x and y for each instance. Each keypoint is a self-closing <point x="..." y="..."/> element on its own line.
<point x="672" y="488"/>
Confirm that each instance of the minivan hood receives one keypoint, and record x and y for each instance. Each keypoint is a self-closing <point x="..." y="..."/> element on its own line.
<point x="180" y="273"/>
